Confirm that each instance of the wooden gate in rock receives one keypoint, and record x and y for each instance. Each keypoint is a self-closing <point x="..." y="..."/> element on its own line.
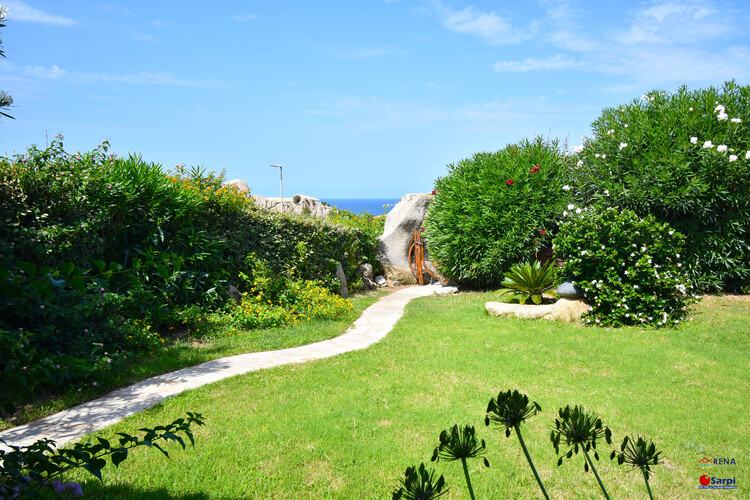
<point x="417" y="262"/>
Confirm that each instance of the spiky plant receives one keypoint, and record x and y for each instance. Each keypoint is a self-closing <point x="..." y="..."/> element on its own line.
<point x="580" y="430"/>
<point x="638" y="454"/>
<point x="461" y="443"/>
<point x="510" y="410"/>
<point x="528" y="280"/>
<point x="420" y="484"/>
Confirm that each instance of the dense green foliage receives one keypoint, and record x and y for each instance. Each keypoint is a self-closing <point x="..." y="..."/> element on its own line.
<point x="28" y="471"/>
<point x="494" y="210"/>
<point x="629" y="268"/>
<point x="102" y="257"/>
<point x="685" y="159"/>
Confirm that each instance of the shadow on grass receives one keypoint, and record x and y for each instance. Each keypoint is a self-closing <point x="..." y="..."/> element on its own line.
<point x="122" y="491"/>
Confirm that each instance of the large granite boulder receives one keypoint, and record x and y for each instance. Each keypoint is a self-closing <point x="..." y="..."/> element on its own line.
<point x="239" y="184"/>
<point x="405" y="218"/>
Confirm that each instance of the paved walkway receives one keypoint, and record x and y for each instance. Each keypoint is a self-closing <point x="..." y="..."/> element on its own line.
<point x="374" y="324"/>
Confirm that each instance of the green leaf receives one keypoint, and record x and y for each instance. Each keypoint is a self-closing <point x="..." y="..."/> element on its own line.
<point x="28" y="268"/>
<point x="11" y="290"/>
<point x="78" y="283"/>
<point x="100" y="265"/>
<point x="118" y="456"/>
<point x="67" y="268"/>
<point x="43" y="287"/>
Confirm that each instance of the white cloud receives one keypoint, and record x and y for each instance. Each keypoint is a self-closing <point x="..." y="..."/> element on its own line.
<point x="487" y="25"/>
<point x="676" y="22"/>
<point x="20" y="11"/>
<point x="142" y="78"/>
<point x="560" y="61"/>
<point x="243" y="18"/>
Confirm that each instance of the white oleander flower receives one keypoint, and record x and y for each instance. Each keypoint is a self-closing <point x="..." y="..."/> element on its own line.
<point x="694" y="140"/>
<point x="708" y="145"/>
<point x="719" y="108"/>
<point x="623" y="145"/>
<point x="732" y="158"/>
<point x="721" y="148"/>
<point x="722" y="117"/>
<point x="577" y="149"/>
<point x="571" y="206"/>
<point x="580" y="163"/>
<point x="736" y="120"/>
<point x="566" y="188"/>
<point x="747" y="155"/>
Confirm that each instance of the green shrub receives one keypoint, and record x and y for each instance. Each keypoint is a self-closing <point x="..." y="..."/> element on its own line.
<point x="494" y="210"/>
<point x="629" y="268"/>
<point x="685" y="158"/>
<point x="175" y="241"/>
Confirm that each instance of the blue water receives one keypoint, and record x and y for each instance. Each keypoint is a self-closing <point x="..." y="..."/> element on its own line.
<point x="374" y="206"/>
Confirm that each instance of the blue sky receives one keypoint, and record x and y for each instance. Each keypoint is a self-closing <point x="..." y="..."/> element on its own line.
<point x="364" y="98"/>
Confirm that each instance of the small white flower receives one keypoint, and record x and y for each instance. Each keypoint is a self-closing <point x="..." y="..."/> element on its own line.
<point x="606" y="192"/>
<point x="610" y="131"/>
<point x="719" y="108"/>
<point x="626" y="125"/>
<point x="623" y="145"/>
<point x="644" y="97"/>
<point x="578" y="210"/>
<point x="747" y="155"/>
<point x="678" y="256"/>
<point x="732" y="158"/>
<point x="694" y="140"/>
<point x="604" y="156"/>
<point x="566" y="188"/>
<point x="708" y="145"/>
<point x="565" y="213"/>
<point x="571" y="206"/>
<point x="577" y="149"/>
<point x="691" y="109"/>
<point x="721" y="148"/>
<point x="580" y="163"/>
<point x="736" y="120"/>
<point x="597" y="155"/>
<point x="722" y="117"/>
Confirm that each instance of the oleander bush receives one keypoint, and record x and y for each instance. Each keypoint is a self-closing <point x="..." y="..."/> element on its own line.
<point x="629" y="267"/>
<point x="496" y="209"/>
<point x="684" y="158"/>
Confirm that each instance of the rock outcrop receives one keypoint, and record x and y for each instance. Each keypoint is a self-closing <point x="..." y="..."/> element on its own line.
<point x="405" y="218"/>
<point x="568" y="310"/>
<point x="299" y="204"/>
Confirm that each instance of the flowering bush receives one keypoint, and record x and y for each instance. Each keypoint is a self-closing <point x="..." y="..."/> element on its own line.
<point x="275" y="299"/>
<point x="685" y="158"/>
<point x="628" y="267"/>
<point x="494" y="210"/>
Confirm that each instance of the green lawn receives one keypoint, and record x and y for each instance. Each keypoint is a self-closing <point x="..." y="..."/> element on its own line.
<point x="181" y="354"/>
<point x="347" y="427"/>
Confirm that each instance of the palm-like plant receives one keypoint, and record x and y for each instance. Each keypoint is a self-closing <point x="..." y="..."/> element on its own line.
<point x="420" y="484"/>
<point x="580" y="430"/>
<point x="638" y="454"/>
<point x="461" y="443"/>
<point x="529" y="280"/>
<point x="510" y="410"/>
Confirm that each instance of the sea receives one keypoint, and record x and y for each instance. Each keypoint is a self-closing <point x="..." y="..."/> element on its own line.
<point x="373" y="206"/>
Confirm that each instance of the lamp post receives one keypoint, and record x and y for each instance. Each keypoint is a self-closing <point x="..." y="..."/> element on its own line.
<point x="281" y="183"/>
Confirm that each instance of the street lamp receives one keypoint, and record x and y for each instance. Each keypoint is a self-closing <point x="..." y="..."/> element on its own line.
<point x="281" y="183"/>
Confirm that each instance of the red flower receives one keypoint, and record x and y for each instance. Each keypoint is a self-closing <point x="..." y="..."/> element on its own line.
<point x="543" y="232"/>
<point x="534" y="170"/>
<point x="423" y="230"/>
<point x="509" y="182"/>
<point x="433" y="192"/>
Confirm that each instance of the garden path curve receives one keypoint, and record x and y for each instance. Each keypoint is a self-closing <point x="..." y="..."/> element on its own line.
<point x="375" y="323"/>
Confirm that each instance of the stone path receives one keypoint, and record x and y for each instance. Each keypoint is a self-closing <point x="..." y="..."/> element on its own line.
<point x="374" y="324"/>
